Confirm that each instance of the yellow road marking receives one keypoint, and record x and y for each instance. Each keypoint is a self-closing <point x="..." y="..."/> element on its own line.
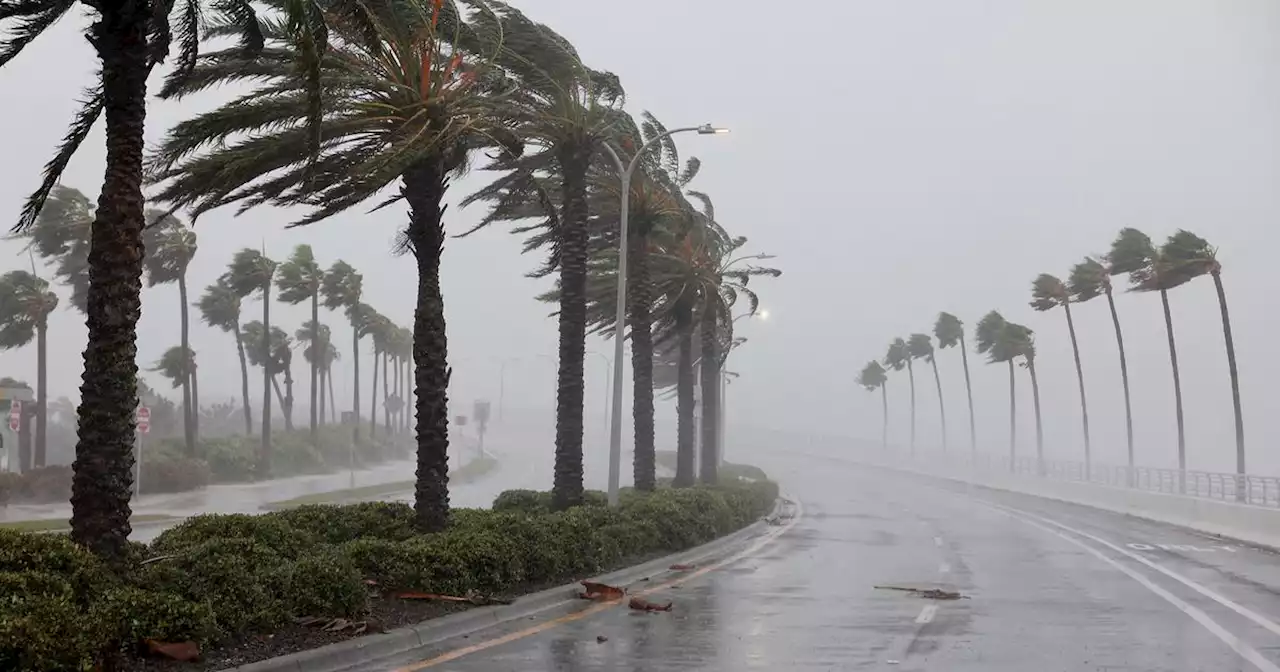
<point x="603" y="606"/>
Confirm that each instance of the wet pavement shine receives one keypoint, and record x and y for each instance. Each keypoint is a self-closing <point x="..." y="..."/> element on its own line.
<point x="1044" y="586"/>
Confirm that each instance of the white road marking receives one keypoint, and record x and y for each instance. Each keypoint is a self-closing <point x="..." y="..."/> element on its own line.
<point x="944" y="568"/>
<point x="1137" y="546"/>
<point x="1238" y="645"/>
<point x="928" y="612"/>
<point x="937" y="541"/>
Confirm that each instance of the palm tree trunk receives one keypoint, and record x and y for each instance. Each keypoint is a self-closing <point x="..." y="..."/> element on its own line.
<point x="24" y="438"/>
<point x="968" y="389"/>
<point x="323" y="408"/>
<point x="275" y="386"/>
<point x="1124" y="379"/>
<point x="1084" y="405"/>
<point x="263" y="470"/>
<point x="102" y="480"/>
<point x="684" y="394"/>
<point x="1177" y="392"/>
<point x="287" y="404"/>
<point x="396" y="386"/>
<point x="1035" y="399"/>
<point x="244" y="383"/>
<point x="884" y="427"/>
<point x="373" y="395"/>
<point x="1231" y="368"/>
<point x="942" y="407"/>
<point x="575" y="159"/>
<point x="644" y="466"/>
<point x="318" y="351"/>
<point x="386" y="412"/>
<point x="188" y="411"/>
<point x="195" y="399"/>
<point x="355" y="391"/>
<point x="424" y="187"/>
<point x="911" y="376"/>
<point x="333" y="403"/>
<point x="1013" y="419"/>
<point x="186" y="345"/>
<point x="710" y="379"/>
<point x="42" y="392"/>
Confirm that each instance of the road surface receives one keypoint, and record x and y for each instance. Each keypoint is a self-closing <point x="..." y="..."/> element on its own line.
<point x="1046" y="587"/>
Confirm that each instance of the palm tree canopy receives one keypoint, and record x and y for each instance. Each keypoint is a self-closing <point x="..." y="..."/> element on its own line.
<point x="250" y="271"/>
<point x="1190" y="255"/>
<point x="25" y="303"/>
<point x="174" y="366"/>
<point x="987" y="332"/>
<point x="310" y="348"/>
<point x="949" y="330"/>
<point x="170" y="246"/>
<point x="220" y="306"/>
<point x="1131" y="251"/>
<point x="60" y="234"/>
<point x="1089" y="279"/>
<point x="366" y="320"/>
<point x="342" y="286"/>
<point x="258" y="350"/>
<point x="299" y="278"/>
<point x="897" y="355"/>
<point x="872" y="376"/>
<point x="1016" y="341"/>
<point x="920" y="346"/>
<point x="1048" y="292"/>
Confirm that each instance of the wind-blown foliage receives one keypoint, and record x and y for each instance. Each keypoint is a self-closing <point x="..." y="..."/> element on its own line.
<point x="873" y="377"/>
<point x="1090" y="279"/>
<point x="25" y="304"/>
<point x="1047" y="293"/>
<point x="898" y="357"/>
<point x="949" y="331"/>
<point x="920" y="346"/>
<point x="300" y="279"/>
<point x="993" y="338"/>
<point x="170" y="246"/>
<point x="251" y="271"/>
<point x="60" y="235"/>
<point x="220" y="308"/>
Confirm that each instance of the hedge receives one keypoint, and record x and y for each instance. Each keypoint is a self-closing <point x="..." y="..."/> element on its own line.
<point x="218" y="577"/>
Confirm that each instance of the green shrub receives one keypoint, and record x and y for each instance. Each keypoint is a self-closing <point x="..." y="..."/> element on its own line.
<point x="268" y="530"/>
<point x="323" y="583"/>
<point x="139" y="614"/>
<point x="427" y="564"/>
<point x="533" y="501"/>
<point x="293" y="454"/>
<point x="493" y="562"/>
<point x="48" y="633"/>
<point x="533" y="538"/>
<point x="21" y="586"/>
<point x="44" y="485"/>
<point x="340" y="524"/>
<point x="239" y="579"/>
<point x="231" y="459"/>
<point x="173" y="473"/>
<point x="53" y="554"/>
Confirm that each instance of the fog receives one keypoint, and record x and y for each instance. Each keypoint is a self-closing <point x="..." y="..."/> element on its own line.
<point x="899" y="158"/>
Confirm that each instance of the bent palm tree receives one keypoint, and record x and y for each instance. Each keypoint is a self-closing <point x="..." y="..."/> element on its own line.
<point x="1047" y="293"/>
<point x="991" y="338"/>
<point x="300" y="279"/>
<point x="60" y="235"/>
<point x="169" y="248"/>
<point x="897" y="358"/>
<point x="950" y="333"/>
<point x="342" y="289"/>
<point x="220" y="307"/>
<point x="872" y="377"/>
<point x="251" y="271"/>
<point x="919" y="346"/>
<point x="175" y="366"/>
<point x="275" y="356"/>
<point x="1021" y="341"/>
<point x="314" y="338"/>
<point x="1089" y="279"/>
<point x="25" y="304"/>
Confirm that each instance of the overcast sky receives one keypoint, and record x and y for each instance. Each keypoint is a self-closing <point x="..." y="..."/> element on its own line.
<point x="899" y="158"/>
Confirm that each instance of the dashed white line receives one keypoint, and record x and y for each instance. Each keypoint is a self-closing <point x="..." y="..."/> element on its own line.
<point x="927" y="614"/>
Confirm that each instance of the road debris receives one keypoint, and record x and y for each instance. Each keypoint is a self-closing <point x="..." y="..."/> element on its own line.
<point x="641" y="604"/>
<point x="601" y="639"/>
<point x="927" y="593"/>
<point x="471" y="597"/>
<point x="183" y="652"/>
<point x="681" y="568"/>
<point x="335" y="624"/>
<point x="600" y="591"/>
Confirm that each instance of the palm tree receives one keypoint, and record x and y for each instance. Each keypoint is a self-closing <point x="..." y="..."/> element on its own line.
<point x="950" y="333"/>
<point x="1192" y="257"/>
<point x="342" y="288"/>
<point x="169" y="248"/>
<point x="275" y="357"/>
<point x="220" y="307"/>
<point x="60" y="235"/>
<point x="300" y="279"/>
<point x="897" y="358"/>
<point x="378" y="329"/>
<point x="176" y="367"/>
<point x="1021" y="341"/>
<point x="314" y="338"/>
<point x="873" y="377"/>
<point x="251" y="271"/>
<point x="1132" y="252"/>
<point x="1089" y="279"/>
<point x="992" y="338"/>
<point x="1047" y="293"/>
<point x="25" y="305"/>
<point x="919" y="346"/>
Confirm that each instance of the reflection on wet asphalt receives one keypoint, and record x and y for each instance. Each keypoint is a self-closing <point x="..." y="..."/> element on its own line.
<point x="1033" y="600"/>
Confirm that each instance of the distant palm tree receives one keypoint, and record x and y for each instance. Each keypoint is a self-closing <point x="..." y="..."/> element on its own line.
<point x="176" y="367"/>
<point x="379" y="331"/>
<point x="920" y="346"/>
<point x="1089" y="279"/>
<point x="251" y="271"/>
<point x="897" y="358"/>
<point x="314" y="338"/>
<point x="950" y="333"/>
<point x="169" y="247"/>
<point x="991" y="338"/>
<point x="342" y="289"/>
<point x="1022" y="341"/>
<point x="1132" y="252"/>
<point x="220" y="308"/>
<point x="1047" y="293"/>
<point x="300" y="279"/>
<point x="276" y="358"/>
<point x="1192" y="257"/>
<point x="872" y="377"/>
<point x="25" y="305"/>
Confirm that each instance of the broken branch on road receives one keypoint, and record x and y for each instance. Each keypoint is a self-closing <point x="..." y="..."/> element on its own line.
<point x="927" y="593"/>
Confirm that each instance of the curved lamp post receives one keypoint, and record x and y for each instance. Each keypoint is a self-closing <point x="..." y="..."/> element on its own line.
<point x="625" y="171"/>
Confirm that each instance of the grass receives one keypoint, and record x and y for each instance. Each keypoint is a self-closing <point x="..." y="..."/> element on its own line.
<point x="62" y="525"/>
<point x="468" y="473"/>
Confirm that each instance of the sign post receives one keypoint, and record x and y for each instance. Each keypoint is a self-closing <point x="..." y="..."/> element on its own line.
<point x="15" y="415"/>
<point x="143" y="421"/>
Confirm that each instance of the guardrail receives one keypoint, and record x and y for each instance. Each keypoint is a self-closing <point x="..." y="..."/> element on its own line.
<point x="1239" y="488"/>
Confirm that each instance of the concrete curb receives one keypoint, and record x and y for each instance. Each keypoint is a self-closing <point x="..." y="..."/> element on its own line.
<point x="363" y="651"/>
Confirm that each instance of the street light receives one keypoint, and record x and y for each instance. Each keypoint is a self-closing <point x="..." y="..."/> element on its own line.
<point x="620" y="320"/>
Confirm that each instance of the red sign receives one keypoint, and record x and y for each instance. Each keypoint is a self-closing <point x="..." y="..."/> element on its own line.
<point x="144" y="419"/>
<point x="15" y="415"/>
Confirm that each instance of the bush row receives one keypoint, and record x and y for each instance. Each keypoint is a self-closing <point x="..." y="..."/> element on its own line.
<point x="219" y="576"/>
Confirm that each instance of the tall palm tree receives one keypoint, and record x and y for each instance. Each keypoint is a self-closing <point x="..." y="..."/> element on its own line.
<point x="1192" y="257"/>
<point x="1021" y="341"/>
<point x="275" y="357"/>
<point x="920" y="346"/>
<point x="1047" y="293"/>
<point x="411" y="89"/>
<point x="60" y="236"/>
<point x="251" y="271"/>
<point x="176" y="366"/>
<point x="300" y="279"/>
<point x="873" y="377"/>
<point x="379" y="331"/>
<point x="169" y="247"/>
<point x="314" y="338"/>
<point x="220" y="307"/>
<point x="897" y="358"/>
<point x="1132" y="252"/>
<point x="992" y="338"/>
<point x="342" y="289"/>
<point x="25" y="305"/>
<point x="1089" y="279"/>
<point x="950" y="333"/>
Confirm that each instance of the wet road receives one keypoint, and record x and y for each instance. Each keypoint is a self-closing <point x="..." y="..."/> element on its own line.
<point x="1047" y="586"/>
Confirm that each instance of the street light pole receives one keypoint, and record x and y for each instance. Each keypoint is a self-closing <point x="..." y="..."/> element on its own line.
<point x="620" y="319"/>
